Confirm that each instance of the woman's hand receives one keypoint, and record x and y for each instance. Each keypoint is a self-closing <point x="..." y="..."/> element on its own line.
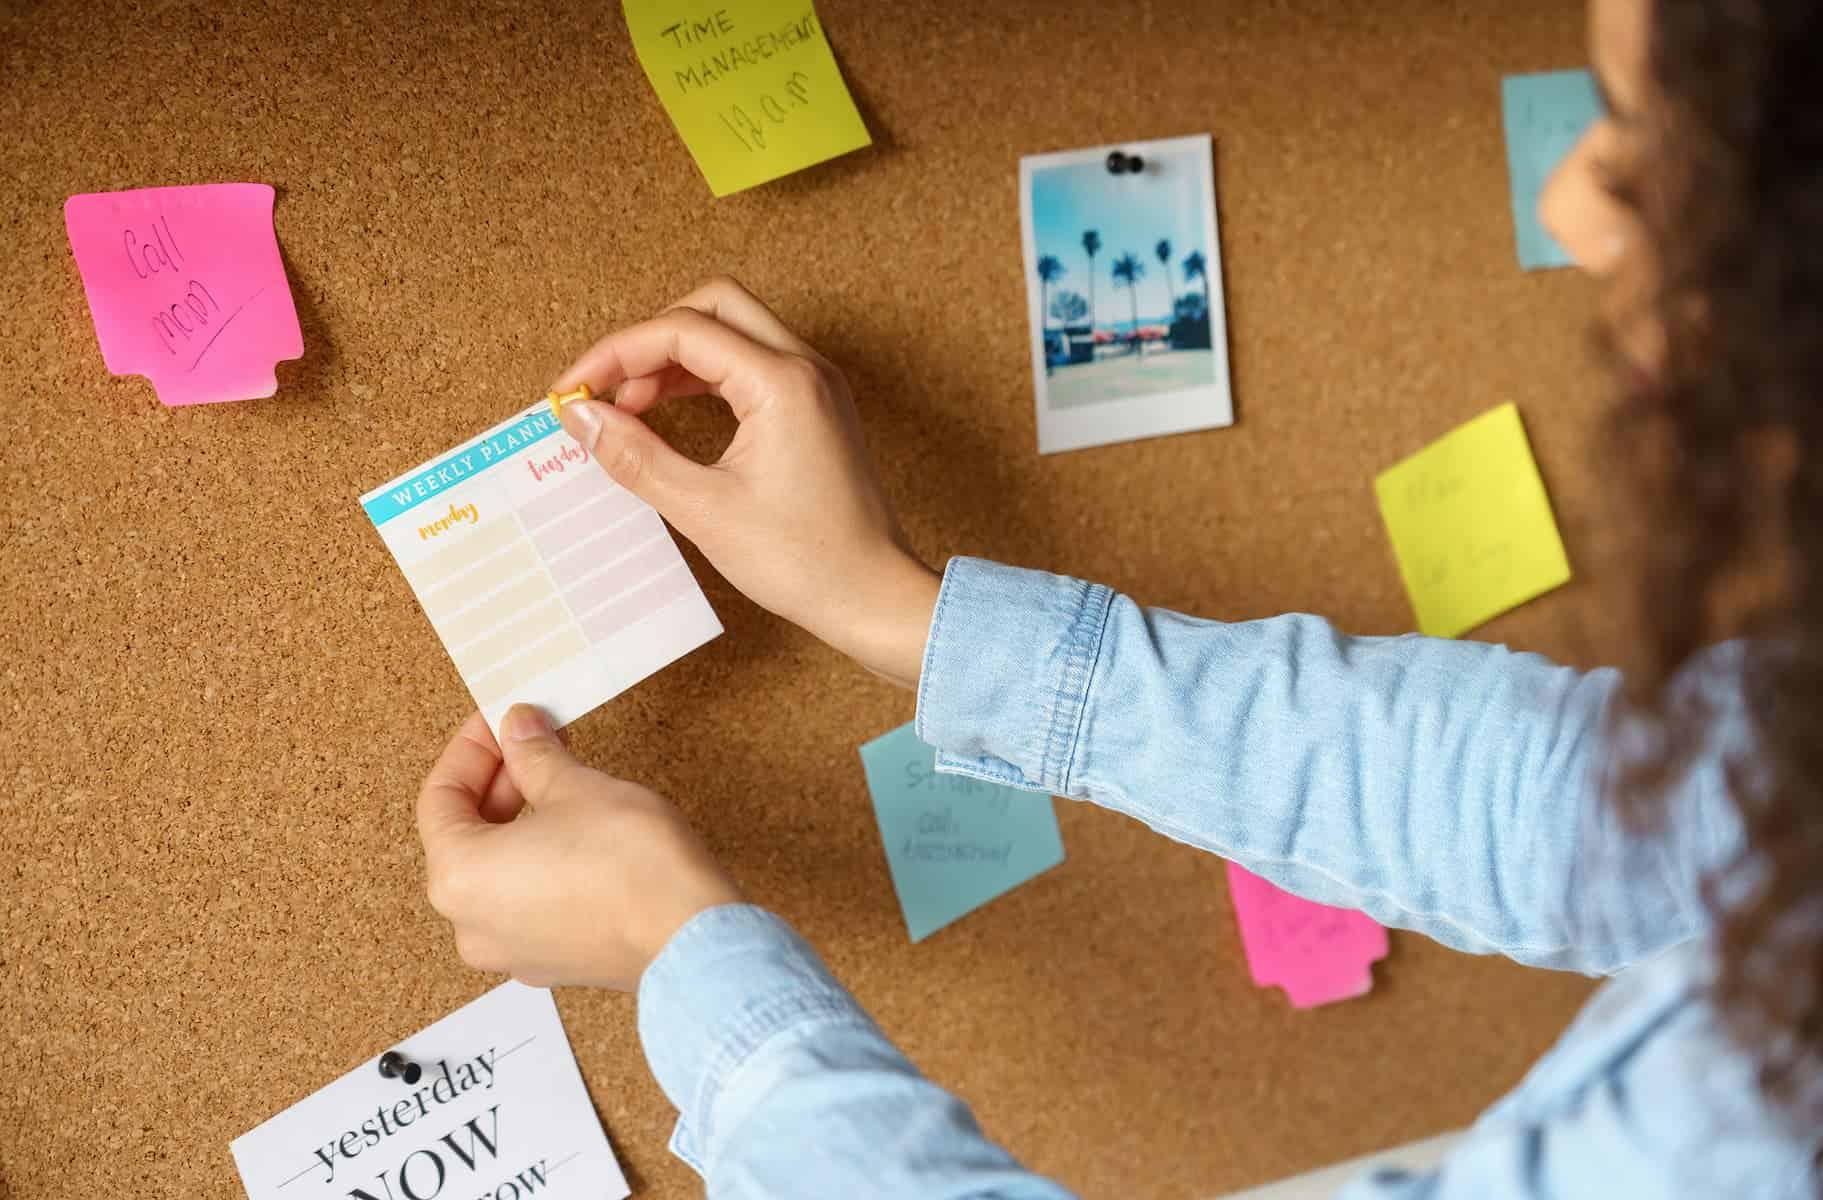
<point x="793" y="514"/>
<point x="553" y="872"/>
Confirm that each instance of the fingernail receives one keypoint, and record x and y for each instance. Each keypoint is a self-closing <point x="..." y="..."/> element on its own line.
<point x="525" y="723"/>
<point x="582" y="421"/>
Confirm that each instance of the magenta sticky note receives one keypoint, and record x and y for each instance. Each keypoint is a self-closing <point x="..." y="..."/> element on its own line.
<point x="187" y="288"/>
<point x="1318" y="954"/>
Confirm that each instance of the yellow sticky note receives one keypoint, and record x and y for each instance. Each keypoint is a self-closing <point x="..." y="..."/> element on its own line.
<point x="750" y="84"/>
<point x="1471" y="525"/>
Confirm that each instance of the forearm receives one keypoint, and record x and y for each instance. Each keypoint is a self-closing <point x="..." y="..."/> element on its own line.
<point x="786" y="1087"/>
<point x="1448" y="787"/>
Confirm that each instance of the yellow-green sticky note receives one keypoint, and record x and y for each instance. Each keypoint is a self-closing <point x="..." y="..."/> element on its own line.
<point x="1471" y="525"/>
<point x="750" y="84"/>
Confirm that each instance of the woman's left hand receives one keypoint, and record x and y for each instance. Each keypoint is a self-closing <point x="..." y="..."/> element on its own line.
<point x="551" y="871"/>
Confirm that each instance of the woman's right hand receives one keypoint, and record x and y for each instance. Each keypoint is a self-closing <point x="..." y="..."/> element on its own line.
<point x="793" y="514"/>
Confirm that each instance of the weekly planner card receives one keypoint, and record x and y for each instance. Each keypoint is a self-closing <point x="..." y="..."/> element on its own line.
<point x="497" y="1108"/>
<point x="549" y="583"/>
<point x="1471" y="525"/>
<point x="1545" y="116"/>
<point x="186" y="287"/>
<point x="952" y="843"/>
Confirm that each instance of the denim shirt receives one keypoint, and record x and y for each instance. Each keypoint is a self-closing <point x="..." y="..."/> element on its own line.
<point x="1447" y="787"/>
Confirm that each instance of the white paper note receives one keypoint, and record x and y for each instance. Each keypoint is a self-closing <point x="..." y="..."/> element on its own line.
<point x="548" y="582"/>
<point x="499" y="1112"/>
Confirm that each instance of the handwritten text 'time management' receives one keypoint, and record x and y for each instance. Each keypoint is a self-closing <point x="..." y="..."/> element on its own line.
<point x="725" y="50"/>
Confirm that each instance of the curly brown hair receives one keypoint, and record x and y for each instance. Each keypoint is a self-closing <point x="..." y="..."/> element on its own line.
<point x="1726" y="444"/>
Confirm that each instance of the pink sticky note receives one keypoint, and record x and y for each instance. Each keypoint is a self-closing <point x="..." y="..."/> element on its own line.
<point x="187" y="288"/>
<point x="1318" y="954"/>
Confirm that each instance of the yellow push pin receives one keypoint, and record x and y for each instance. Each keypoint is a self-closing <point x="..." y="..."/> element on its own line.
<point x="559" y="399"/>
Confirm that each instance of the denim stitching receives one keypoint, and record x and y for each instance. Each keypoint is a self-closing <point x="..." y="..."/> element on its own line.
<point x="1104" y="607"/>
<point x="1064" y="714"/>
<point x="926" y="677"/>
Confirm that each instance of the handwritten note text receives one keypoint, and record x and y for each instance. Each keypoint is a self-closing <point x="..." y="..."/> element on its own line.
<point x="751" y="85"/>
<point x="186" y="287"/>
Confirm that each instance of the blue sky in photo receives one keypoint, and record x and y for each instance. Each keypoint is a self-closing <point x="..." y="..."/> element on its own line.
<point x="1131" y="213"/>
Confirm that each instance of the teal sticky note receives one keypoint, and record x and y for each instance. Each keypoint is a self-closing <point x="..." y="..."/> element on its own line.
<point x="952" y="843"/>
<point x="1545" y="116"/>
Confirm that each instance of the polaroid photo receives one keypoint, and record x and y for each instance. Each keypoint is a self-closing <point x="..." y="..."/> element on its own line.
<point x="1124" y="290"/>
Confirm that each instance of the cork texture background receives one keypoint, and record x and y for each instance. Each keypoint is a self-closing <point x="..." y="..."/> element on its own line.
<point x="219" y="695"/>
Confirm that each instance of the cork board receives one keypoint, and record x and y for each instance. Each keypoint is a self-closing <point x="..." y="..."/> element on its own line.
<point x="219" y="695"/>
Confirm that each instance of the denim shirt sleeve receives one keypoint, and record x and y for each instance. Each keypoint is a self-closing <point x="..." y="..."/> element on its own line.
<point x="785" y="1087"/>
<point x="1447" y="787"/>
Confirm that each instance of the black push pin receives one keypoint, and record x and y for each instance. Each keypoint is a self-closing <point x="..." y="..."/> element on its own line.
<point x="1125" y="164"/>
<point x="394" y="1065"/>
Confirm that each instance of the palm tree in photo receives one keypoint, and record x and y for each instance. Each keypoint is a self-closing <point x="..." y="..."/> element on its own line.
<point x="1163" y="251"/>
<point x="1196" y="268"/>
<point x="1091" y="245"/>
<point x="1128" y="271"/>
<point x="1049" y="270"/>
<point x="1069" y="307"/>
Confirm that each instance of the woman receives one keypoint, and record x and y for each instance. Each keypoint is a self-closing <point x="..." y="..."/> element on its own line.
<point x="1454" y="788"/>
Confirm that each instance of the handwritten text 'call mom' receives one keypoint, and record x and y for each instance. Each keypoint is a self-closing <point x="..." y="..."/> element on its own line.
<point x="156" y="254"/>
